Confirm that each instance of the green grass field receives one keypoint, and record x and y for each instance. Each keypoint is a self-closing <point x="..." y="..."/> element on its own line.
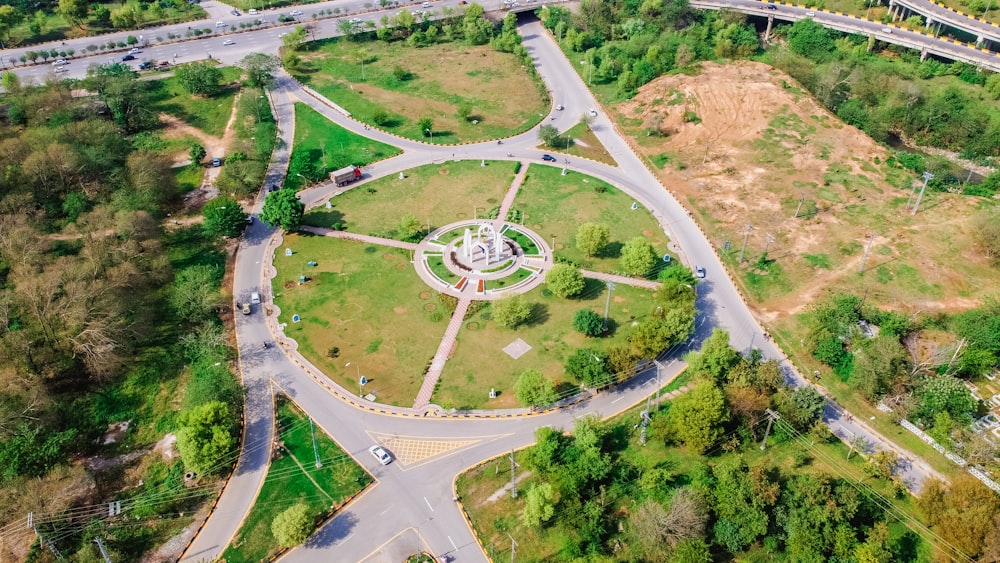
<point x="438" y="80"/>
<point x="557" y="205"/>
<point x="439" y="193"/>
<point x="369" y="303"/>
<point x="55" y="27"/>
<point x="465" y="384"/>
<point x="209" y="114"/>
<point x="292" y="478"/>
<point x="328" y="147"/>
<point x="586" y="144"/>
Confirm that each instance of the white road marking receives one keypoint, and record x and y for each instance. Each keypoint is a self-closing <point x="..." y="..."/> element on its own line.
<point x="384" y="511"/>
<point x="616" y="400"/>
<point x="453" y="543"/>
<point x="429" y="504"/>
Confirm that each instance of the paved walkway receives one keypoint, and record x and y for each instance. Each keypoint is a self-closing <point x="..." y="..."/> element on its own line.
<point x="443" y="351"/>
<point x="508" y="198"/>
<point x="634" y="282"/>
<point x="359" y="237"/>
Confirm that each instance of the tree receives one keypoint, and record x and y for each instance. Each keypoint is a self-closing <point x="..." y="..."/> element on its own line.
<point x="985" y="228"/>
<point x="590" y="366"/>
<point x="875" y="549"/>
<point x="591" y="238"/>
<point x="681" y="274"/>
<point x="693" y="550"/>
<point x="511" y="311"/>
<point x="638" y="257"/>
<point x="293" y="526"/>
<point x="426" y="126"/>
<point x="697" y="418"/>
<point x="742" y="498"/>
<point x="10" y="81"/>
<point x="475" y="25"/>
<point x="283" y="208"/>
<point x="963" y="513"/>
<point x="464" y="109"/>
<point x="944" y="393"/>
<point x="715" y="358"/>
<point x="879" y="364"/>
<point x="409" y="226"/>
<point x="810" y="39"/>
<point x="197" y="153"/>
<point x="538" y="505"/>
<point x="801" y="407"/>
<point x="533" y="389"/>
<point x="259" y="69"/>
<point x="588" y="322"/>
<point x="565" y="280"/>
<point x="195" y="293"/>
<point x="659" y="331"/>
<point x="9" y="17"/>
<point x="199" y="78"/>
<point x="205" y="437"/>
<point x="224" y="217"/>
<point x="658" y="528"/>
<point x="293" y="40"/>
<point x="549" y="135"/>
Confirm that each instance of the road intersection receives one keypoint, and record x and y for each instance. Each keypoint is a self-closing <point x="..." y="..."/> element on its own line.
<point x="413" y="499"/>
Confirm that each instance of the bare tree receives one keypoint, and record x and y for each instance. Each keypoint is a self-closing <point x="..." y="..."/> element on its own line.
<point x="657" y="528"/>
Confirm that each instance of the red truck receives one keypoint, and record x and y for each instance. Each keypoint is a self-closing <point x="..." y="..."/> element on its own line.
<point x="345" y="175"/>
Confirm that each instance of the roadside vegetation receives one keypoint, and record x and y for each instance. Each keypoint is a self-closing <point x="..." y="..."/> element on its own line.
<point x="701" y="488"/>
<point x="297" y="496"/>
<point x="116" y="363"/>
<point x="454" y="80"/>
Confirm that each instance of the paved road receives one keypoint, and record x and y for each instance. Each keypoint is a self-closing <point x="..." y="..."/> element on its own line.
<point x="418" y="493"/>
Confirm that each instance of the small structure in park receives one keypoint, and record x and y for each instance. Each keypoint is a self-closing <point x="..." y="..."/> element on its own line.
<point x="487" y="249"/>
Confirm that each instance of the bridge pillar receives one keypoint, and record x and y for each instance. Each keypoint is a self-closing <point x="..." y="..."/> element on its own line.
<point x="928" y="23"/>
<point x="871" y="42"/>
<point x="770" y="24"/>
<point x="923" y="54"/>
<point x="979" y="40"/>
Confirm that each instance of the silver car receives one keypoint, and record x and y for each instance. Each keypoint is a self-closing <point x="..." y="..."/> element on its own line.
<point x="381" y="455"/>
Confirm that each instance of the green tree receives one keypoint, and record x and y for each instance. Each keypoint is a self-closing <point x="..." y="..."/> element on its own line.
<point x="10" y="81"/>
<point x="293" y="526"/>
<point x="590" y="366"/>
<point x="565" y="280"/>
<point x="736" y="41"/>
<point x="195" y="293"/>
<point x="9" y="18"/>
<point x="549" y="135"/>
<point x="380" y="117"/>
<point x="464" y="111"/>
<point x="591" y="238"/>
<point x="426" y="126"/>
<point x="283" y="208"/>
<point x="199" y="78"/>
<point x="510" y="312"/>
<point x="715" y="358"/>
<point x="539" y="505"/>
<point x="875" y="549"/>
<point x="224" y="217"/>
<point x="692" y="551"/>
<point x="985" y="225"/>
<point x="679" y="273"/>
<point x="801" y="407"/>
<point x="475" y="25"/>
<point x="696" y="418"/>
<point x="944" y="393"/>
<point x="588" y="322"/>
<point x="197" y="153"/>
<point x="533" y="389"/>
<point x="410" y="226"/>
<point x="205" y="437"/>
<point x="293" y="40"/>
<point x="742" y="498"/>
<point x="810" y="39"/>
<point x="259" y="69"/>
<point x="660" y="330"/>
<point x="638" y="257"/>
<point x="880" y="364"/>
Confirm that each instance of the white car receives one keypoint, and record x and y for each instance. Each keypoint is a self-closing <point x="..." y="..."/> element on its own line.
<point x="426" y="5"/>
<point x="887" y="30"/>
<point x="593" y="112"/>
<point x="61" y="69"/>
<point x="700" y="271"/>
<point x="220" y="24"/>
<point x="296" y="12"/>
<point x="810" y="14"/>
<point x="134" y="51"/>
<point x="381" y="455"/>
<point x="354" y="21"/>
<point x="60" y="62"/>
<point x="252" y="12"/>
<point x="228" y="42"/>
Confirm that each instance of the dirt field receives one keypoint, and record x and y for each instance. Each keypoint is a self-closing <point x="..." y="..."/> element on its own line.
<point x="742" y="144"/>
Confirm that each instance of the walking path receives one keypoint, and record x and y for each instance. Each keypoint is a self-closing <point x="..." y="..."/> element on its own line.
<point x="359" y="237"/>
<point x="443" y="351"/>
<point x="634" y="282"/>
<point x="508" y="198"/>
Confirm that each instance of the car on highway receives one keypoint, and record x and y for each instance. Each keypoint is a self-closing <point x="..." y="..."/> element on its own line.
<point x="559" y="107"/>
<point x="128" y="58"/>
<point x="425" y="5"/>
<point x="593" y="112"/>
<point x="235" y="13"/>
<point x="810" y="14"/>
<point x="548" y="158"/>
<point x="381" y="455"/>
<point x="134" y="51"/>
<point x="252" y="12"/>
<point x="700" y="271"/>
<point x="228" y="42"/>
<point x="145" y="65"/>
<point x="60" y="62"/>
<point x="61" y="69"/>
<point x="296" y="12"/>
<point x="354" y="21"/>
<point x="887" y="30"/>
<point x="220" y="24"/>
<point x="771" y="7"/>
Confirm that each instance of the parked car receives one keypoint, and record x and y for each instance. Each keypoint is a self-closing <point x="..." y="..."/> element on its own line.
<point x="700" y="271"/>
<point x="381" y="455"/>
<point x="128" y="58"/>
<point x="354" y="21"/>
<point x="145" y="65"/>
<point x="216" y="162"/>
<point x="252" y="12"/>
<point x="548" y="158"/>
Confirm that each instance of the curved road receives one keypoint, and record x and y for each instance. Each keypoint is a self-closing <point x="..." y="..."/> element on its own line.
<point x="417" y="497"/>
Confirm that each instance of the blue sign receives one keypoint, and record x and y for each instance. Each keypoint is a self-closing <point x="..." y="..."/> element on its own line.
<point x="635" y="206"/>
<point x="364" y="381"/>
<point x="666" y="258"/>
<point x="295" y="318"/>
<point x="288" y="252"/>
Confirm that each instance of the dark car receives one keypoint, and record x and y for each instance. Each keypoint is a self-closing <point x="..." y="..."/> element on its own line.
<point x="128" y="58"/>
<point x="548" y="158"/>
<point x="771" y="7"/>
<point x="235" y="12"/>
<point x="145" y="65"/>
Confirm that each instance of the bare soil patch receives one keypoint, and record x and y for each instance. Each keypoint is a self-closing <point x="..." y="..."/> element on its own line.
<point x="742" y="144"/>
<point x="399" y="310"/>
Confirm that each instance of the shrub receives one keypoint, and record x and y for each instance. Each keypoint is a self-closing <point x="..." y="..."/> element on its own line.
<point x="588" y="322"/>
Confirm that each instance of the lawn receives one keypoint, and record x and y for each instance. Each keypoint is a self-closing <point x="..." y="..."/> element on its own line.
<point x="54" y="27"/>
<point x="431" y="82"/>
<point x="255" y="136"/>
<point x="438" y="193"/>
<point x="465" y="384"/>
<point x="292" y="478"/>
<point x="322" y="146"/>
<point x="189" y="177"/>
<point x="493" y="521"/>
<point x="209" y="114"/>
<point x="556" y="205"/>
<point x="586" y="144"/>
<point x="364" y="305"/>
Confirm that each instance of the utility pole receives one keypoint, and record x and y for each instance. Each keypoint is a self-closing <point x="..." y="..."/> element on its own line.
<point x="312" y="429"/>
<point x="771" y="417"/>
<point x="927" y="176"/>
<point x="607" y="305"/>
<point x="645" y="422"/>
<point x="513" y="480"/>
<point x="104" y="552"/>
<point x="864" y="257"/>
<point x="746" y="237"/>
<point x="768" y="239"/>
<point x="799" y="208"/>
<point x="513" y="547"/>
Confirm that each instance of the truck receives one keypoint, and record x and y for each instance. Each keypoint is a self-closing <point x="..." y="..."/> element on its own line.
<point x="345" y="175"/>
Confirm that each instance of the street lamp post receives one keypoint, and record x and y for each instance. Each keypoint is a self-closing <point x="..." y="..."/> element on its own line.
<point x="360" y="385"/>
<point x="430" y="134"/>
<point x="607" y="305"/>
